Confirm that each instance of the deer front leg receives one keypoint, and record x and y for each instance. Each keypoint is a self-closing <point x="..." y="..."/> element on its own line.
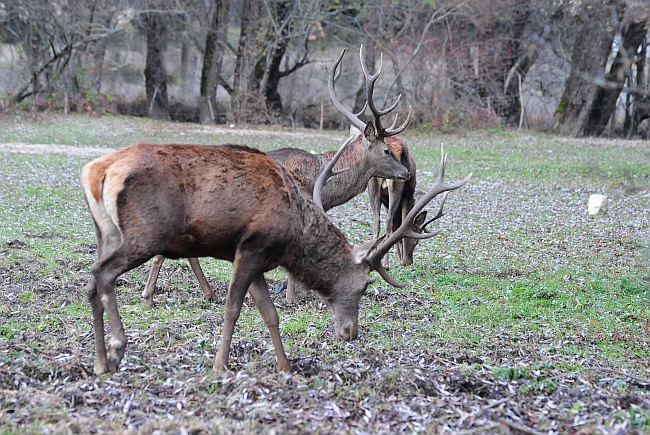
<point x="395" y="189"/>
<point x="150" y="287"/>
<point x="239" y="283"/>
<point x="260" y="294"/>
<point x="203" y="283"/>
<point x="375" y="204"/>
<point x="291" y="291"/>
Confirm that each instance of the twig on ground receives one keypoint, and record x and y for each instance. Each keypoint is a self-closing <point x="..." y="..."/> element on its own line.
<point x="521" y="427"/>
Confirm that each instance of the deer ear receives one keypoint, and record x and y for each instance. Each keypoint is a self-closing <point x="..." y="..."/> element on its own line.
<point x="370" y="133"/>
<point x="360" y="252"/>
<point x="419" y="221"/>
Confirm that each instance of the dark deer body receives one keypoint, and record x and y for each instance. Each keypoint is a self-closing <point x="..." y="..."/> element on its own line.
<point x="398" y="197"/>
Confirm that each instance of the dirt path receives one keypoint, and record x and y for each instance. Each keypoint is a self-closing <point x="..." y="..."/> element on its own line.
<point x="18" y="147"/>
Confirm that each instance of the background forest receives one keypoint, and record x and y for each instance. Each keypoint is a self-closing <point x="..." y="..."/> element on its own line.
<point x="564" y="66"/>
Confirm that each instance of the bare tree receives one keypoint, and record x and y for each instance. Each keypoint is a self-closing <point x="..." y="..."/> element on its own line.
<point x="53" y="39"/>
<point x="634" y="28"/>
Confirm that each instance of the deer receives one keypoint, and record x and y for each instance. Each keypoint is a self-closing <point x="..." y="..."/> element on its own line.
<point x="398" y="197"/>
<point x="233" y="203"/>
<point x="367" y="155"/>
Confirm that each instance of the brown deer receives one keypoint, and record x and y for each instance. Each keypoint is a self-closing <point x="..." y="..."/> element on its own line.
<point x="233" y="203"/>
<point x="366" y="156"/>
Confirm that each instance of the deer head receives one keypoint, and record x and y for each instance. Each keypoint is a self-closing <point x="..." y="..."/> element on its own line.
<point x="373" y="132"/>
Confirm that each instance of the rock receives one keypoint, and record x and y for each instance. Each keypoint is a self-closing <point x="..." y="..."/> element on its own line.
<point x="597" y="204"/>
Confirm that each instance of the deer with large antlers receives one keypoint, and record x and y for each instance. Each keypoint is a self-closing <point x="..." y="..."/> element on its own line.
<point x="232" y="203"/>
<point x="365" y="157"/>
<point x="398" y="197"/>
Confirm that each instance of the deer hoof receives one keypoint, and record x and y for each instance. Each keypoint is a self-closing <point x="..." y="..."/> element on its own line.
<point x="115" y="355"/>
<point x="281" y="286"/>
<point x="101" y="368"/>
<point x="211" y="297"/>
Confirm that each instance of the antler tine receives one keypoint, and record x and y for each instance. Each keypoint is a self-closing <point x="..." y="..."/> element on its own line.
<point x="332" y="78"/>
<point x="377" y="114"/>
<point x="363" y="109"/>
<point x="440" y="212"/>
<point x="328" y="172"/>
<point x="406" y="229"/>
<point x="393" y="131"/>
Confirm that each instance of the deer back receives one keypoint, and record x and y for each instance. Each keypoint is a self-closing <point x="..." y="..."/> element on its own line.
<point x="195" y="201"/>
<point x="185" y="200"/>
<point x="364" y="159"/>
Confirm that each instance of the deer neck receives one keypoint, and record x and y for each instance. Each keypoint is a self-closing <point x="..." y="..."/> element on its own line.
<point x="319" y="253"/>
<point x="348" y="184"/>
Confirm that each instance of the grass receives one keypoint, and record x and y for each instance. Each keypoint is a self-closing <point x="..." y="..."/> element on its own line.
<point x="521" y="299"/>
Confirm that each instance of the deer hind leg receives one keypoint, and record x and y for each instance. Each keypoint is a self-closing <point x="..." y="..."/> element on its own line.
<point x="291" y="291"/>
<point x="203" y="282"/>
<point x="260" y="293"/>
<point x="102" y="287"/>
<point x="101" y="364"/>
<point x="150" y="287"/>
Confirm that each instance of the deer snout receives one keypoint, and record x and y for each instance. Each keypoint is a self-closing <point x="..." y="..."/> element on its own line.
<point x="348" y="331"/>
<point x="403" y="177"/>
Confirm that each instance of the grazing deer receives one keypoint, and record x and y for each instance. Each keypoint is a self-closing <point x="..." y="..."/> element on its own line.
<point x="398" y="197"/>
<point x="232" y="203"/>
<point x="365" y="157"/>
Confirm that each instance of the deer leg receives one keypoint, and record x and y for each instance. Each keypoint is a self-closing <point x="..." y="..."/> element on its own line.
<point x="101" y="365"/>
<point x="394" y="197"/>
<point x="105" y="272"/>
<point x="150" y="286"/>
<point x="375" y="204"/>
<point x="260" y="293"/>
<point x="203" y="283"/>
<point x="405" y="247"/>
<point x="291" y="291"/>
<point x="240" y="280"/>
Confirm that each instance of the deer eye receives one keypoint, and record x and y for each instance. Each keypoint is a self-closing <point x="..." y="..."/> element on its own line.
<point x="387" y="152"/>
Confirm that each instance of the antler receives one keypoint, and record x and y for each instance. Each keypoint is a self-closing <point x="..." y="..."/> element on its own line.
<point x="332" y="78"/>
<point x="328" y="172"/>
<point x="406" y="229"/>
<point x="377" y="114"/>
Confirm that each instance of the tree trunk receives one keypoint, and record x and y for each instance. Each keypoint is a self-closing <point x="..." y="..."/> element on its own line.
<point x="242" y="75"/>
<point x="523" y="55"/>
<point x="606" y="97"/>
<point x="267" y="70"/>
<point x="154" y="71"/>
<point x="101" y="15"/>
<point x="215" y="45"/>
<point x="595" y="33"/>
